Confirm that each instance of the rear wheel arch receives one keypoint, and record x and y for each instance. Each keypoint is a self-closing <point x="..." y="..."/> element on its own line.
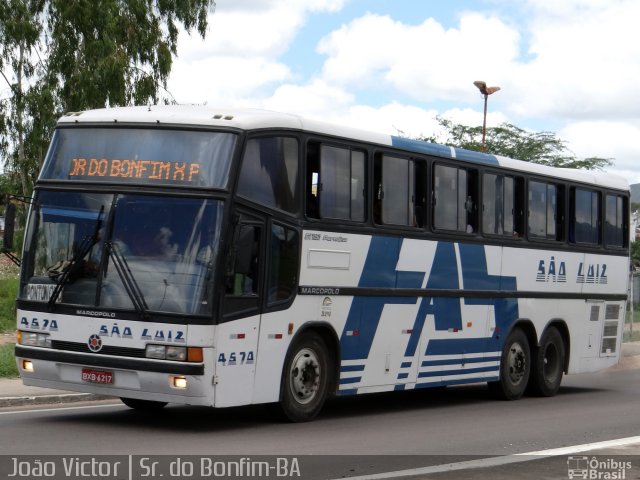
<point x="529" y="330"/>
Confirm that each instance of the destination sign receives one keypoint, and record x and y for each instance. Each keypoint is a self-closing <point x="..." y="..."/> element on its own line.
<point x="149" y="170"/>
<point x="140" y="156"/>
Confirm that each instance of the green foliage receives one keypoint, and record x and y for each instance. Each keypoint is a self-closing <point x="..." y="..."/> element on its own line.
<point x="635" y="252"/>
<point x="8" y="294"/>
<point x="8" y="366"/>
<point x="510" y="141"/>
<point x="58" y="56"/>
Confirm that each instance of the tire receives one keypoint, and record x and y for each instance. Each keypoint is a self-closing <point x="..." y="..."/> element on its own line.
<point x="305" y="379"/>
<point x="548" y="364"/>
<point x="143" y="405"/>
<point x="515" y="366"/>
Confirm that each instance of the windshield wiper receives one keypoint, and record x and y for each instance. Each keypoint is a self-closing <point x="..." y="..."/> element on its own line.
<point x="62" y="277"/>
<point x="128" y="280"/>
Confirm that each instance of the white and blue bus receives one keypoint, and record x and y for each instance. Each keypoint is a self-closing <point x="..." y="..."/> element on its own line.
<point x="214" y="257"/>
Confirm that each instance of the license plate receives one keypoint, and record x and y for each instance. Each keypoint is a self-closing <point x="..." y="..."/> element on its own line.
<point x="96" y="376"/>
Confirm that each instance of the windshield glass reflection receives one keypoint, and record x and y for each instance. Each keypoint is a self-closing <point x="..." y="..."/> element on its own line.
<point x="168" y="247"/>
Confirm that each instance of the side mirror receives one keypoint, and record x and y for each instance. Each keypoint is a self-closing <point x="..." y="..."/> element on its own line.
<point x="9" y="226"/>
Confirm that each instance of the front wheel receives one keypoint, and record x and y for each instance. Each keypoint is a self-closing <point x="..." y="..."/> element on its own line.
<point x="144" y="405"/>
<point x="305" y="382"/>
<point x="515" y="365"/>
<point x="548" y="366"/>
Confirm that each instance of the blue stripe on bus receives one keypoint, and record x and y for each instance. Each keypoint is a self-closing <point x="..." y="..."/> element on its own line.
<point x="379" y="271"/>
<point x="406" y="364"/>
<point x="420" y="146"/>
<point x="476" y="157"/>
<point x="456" y="361"/>
<point x="364" y="315"/>
<point x="348" y="391"/>
<point x="446" y="373"/>
<point x="351" y="368"/>
<point x="446" y="311"/>
<point x="402" y="376"/>
<point x="474" y="268"/>
<point x="457" y="346"/>
<point x="346" y="381"/>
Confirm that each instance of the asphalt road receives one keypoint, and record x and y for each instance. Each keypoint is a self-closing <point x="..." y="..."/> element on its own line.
<point x="353" y="436"/>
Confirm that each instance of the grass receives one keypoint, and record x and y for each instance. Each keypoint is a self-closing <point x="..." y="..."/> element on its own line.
<point x="8" y="292"/>
<point x="631" y="338"/>
<point x="8" y="367"/>
<point x="627" y="336"/>
<point x="636" y="315"/>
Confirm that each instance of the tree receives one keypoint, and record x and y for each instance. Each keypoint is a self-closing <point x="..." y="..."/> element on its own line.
<point x="514" y="142"/>
<point x="58" y="56"/>
<point x="635" y="252"/>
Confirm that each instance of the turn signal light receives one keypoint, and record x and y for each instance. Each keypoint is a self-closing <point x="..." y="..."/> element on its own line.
<point x="195" y="355"/>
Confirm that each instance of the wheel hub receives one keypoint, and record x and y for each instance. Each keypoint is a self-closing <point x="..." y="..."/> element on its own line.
<point x="305" y="376"/>
<point x="517" y="362"/>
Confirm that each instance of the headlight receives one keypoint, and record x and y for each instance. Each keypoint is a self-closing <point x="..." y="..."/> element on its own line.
<point x="177" y="353"/>
<point x="156" y="351"/>
<point x="33" y="339"/>
<point x="173" y="353"/>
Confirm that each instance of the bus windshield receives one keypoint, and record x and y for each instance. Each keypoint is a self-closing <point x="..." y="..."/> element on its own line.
<point x="122" y="251"/>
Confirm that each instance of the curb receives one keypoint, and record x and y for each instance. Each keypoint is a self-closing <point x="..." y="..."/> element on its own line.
<point x="51" y="399"/>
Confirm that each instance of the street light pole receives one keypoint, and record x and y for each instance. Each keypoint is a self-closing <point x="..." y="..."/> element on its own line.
<point x="485" y="91"/>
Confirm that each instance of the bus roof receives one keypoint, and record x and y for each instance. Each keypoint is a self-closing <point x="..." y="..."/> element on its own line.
<point x="254" y="119"/>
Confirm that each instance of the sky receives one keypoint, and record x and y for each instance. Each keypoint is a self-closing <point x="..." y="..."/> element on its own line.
<point x="571" y="67"/>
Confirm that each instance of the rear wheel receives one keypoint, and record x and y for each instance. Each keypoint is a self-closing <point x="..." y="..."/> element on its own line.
<point x="515" y="365"/>
<point x="144" y="405"/>
<point x="548" y="364"/>
<point x="306" y="379"/>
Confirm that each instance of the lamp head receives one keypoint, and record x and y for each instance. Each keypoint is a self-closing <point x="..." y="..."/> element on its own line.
<point x="484" y="90"/>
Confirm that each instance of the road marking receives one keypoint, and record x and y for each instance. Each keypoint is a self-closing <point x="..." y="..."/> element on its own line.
<point x="38" y="410"/>
<point x="499" y="461"/>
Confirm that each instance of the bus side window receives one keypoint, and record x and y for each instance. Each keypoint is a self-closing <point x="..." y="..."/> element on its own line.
<point x="584" y="223"/>
<point x="616" y="221"/>
<point x="502" y="205"/>
<point x="243" y="276"/>
<point x="400" y="193"/>
<point x="455" y="199"/>
<point x="519" y="208"/>
<point x="546" y="211"/>
<point x="283" y="264"/>
<point x="312" y="181"/>
<point x="335" y="183"/>
<point x="269" y="173"/>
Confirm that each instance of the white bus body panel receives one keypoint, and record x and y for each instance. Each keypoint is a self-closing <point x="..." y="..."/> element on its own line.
<point x="118" y="333"/>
